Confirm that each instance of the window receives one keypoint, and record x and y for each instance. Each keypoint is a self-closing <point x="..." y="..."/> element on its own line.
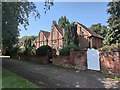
<point x="40" y="42"/>
<point x="54" y="41"/>
<point x="80" y="28"/>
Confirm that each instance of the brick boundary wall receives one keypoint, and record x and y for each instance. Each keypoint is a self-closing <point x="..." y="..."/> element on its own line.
<point x="110" y="62"/>
<point x="77" y="59"/>
<point x="32" y="58"/>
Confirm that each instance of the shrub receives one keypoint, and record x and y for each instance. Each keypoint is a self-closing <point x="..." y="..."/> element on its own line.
<point x="111" y="48"/>
<point x="74" y="47"/>
<point x="107" y="48"/>
<point x="22" y="50"/>
<point x="43" y="50"/>
<point x="14" y="50"/>
<point x="66" y="50"/>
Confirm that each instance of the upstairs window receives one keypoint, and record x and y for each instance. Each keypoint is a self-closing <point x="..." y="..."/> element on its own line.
<point x="54" y="41"/>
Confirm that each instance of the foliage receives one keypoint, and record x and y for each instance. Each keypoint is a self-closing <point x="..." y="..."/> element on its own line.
<point x="13" y="15"/>
<point x="107" y="48"/>
<point x="48" y="5"/>
<point x="29" y="37"/>
<point x="70" y="36"/>
<point x="74" y="47"/>
<point x="111" y="48"/>
<point x="62" y="21"/>
<point x="43" y="50"/>
<point x="99" y="29"/>
<point x="28" y="45"/>
<point x="113" y="35"/>
<point x="66" y="50"/>
<point x="14" y="50"/>
<point x="22" y="50"/>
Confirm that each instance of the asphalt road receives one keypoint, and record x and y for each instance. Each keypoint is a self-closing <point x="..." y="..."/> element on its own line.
<point x="47" y="76"/>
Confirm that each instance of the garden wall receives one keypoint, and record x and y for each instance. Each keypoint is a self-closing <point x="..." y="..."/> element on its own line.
<point x="38" y="59"/>
<point x="110" y="62"/>
<point x="77" y="59"/>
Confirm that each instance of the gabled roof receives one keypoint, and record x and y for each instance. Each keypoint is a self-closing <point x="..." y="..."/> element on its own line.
<point x="60" y="30"/>
<point x="46" y="33"/>
<point x="90" y="31"/>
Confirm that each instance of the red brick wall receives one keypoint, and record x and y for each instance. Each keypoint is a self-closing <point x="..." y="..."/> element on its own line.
<point x="77" y="59"/>
<point x="110" y="62"/>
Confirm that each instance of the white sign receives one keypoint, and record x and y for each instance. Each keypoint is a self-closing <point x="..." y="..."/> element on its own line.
<point x="93" y="59"/>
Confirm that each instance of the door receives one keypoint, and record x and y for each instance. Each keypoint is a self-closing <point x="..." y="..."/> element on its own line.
<point x="93" y="59"/>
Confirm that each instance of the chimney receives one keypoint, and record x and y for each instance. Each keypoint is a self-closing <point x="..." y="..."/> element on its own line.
<point x="54" y="23"/>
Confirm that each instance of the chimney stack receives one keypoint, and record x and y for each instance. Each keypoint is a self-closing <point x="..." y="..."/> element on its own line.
<point x="54" y="23"/>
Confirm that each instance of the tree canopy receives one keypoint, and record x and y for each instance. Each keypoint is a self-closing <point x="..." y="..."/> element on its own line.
<point x="99" y="29"/>
<point x="15" y="14"/>
<point x="70" y="36"/>
<point x="113" y="35"/>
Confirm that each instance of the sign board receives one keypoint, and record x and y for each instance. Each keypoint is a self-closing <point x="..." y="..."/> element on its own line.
<point x="93" y="59"/>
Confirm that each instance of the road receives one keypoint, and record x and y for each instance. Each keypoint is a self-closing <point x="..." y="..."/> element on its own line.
<point x="49" y="76"/>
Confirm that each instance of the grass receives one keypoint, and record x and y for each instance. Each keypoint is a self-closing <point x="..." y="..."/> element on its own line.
<point x="11" y="80"/>
<point x="103" y="75"/>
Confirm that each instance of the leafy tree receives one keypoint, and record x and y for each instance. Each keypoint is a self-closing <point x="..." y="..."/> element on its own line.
<point x="29" y="37"/>
<point x="28" y="44"/>
<point x="74" y="35"/>
<point x="99" y="29"/>
<point x="15" y="14"/>
<point x="113" y="35"/>
<point x="63" y="21"/>
<point x="70" y="36"/>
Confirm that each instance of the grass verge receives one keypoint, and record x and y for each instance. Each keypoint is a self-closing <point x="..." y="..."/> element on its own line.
<point x="103" y="75"/>
<point x="12" y="80"/>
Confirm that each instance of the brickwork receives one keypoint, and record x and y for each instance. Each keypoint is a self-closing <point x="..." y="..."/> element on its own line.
<point x="110" y="62"/>
<point x="87" y="38"/>
<point x="75" y="59"/>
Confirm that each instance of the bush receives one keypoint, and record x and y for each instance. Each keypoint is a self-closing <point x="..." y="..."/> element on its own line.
<point x="111" y="48"/>
<point x="66" y="50"/>
<point x="107" y="48"/>
<point x="74" y="47"/>
<point x="22" y="50"/>
<point x="14" y="50"/>
<point x="43" y="50"/>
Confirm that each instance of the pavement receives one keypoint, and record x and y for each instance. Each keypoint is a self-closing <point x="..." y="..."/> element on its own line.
<point x="48" y="76"/>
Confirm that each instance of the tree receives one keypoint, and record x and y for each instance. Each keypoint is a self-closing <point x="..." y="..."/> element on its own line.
<point x="99" y="29"/>
<point x="13" y="15"/>
<point x="113" y="35"/>
<point x="63" y="21"/>
<point x="70" y="36"/>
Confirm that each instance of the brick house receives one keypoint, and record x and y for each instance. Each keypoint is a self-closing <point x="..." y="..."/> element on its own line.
<point x="42" y="38"/>
<point x="87" y="38"/>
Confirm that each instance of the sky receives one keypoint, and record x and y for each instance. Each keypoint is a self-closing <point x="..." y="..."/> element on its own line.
<point x="86" y="13"/>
